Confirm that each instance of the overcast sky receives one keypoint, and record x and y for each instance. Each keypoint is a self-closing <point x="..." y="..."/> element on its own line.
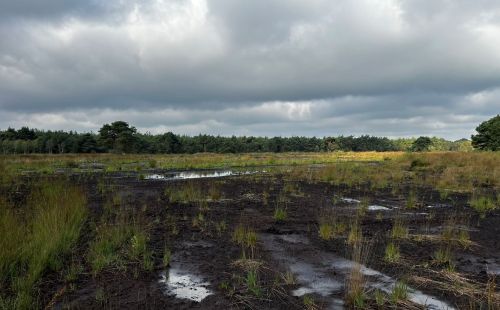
<point x="394" y="68"/>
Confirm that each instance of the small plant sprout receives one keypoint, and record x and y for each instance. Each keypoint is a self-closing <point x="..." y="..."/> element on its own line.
<point x="138" y="245"/>
<point x="100" y="295"/>
<point x="483" y="205"/>
<point x="363" y="207"/>
<point x="355" y="235"/>
<point x="280" y="214"/>
<point x="309" y="303"/>
<point x="326" y="231"/>
<point x="411" y="200"/>
<point x="220" y="227"/>
<point x="379" y="298"/>
<point x="246" y="238"/>
<point x="399" y="229"/>
<point x="464" y="238"/>
<point x="167" y="257"/>
<point x="443" y="255"/>
<point x="147" y="261"/>
<point x="252" y="283"/>
<point x="399" y="292"/>
<point x="289" y="278"/>
<point x="392" y="254"/>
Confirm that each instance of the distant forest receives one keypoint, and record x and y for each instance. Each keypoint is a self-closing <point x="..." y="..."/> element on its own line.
<point x="120" y="137"/>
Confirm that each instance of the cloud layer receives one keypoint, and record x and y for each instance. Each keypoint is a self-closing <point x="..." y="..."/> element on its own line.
<point x="261" y="67"/>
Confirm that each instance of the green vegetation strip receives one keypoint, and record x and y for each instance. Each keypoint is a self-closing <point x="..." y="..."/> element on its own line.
<point x="37" y="240"/>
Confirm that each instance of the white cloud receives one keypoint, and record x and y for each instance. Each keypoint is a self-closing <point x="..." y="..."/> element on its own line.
<point x="392" y="67"/>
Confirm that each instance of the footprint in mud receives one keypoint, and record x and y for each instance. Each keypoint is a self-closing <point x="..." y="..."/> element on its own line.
<point x="325" y="273"/>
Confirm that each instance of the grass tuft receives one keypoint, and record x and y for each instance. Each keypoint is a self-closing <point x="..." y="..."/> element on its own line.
<point x="392" y="254"/>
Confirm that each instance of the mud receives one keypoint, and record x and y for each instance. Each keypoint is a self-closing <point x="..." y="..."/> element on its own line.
<point x="203" y="274"/>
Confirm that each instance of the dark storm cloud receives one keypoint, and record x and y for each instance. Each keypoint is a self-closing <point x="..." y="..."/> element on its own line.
<point x="263" y="66"/>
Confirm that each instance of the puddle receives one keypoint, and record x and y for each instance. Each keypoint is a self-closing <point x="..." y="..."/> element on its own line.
<point x="370" y="208"/>
<point x="199" y="243"/>
<point x="493" y="269"/>
<point x="183" y="280"/>
<point x="440" y="229"/>
<point x="294" y="238"/>
<point x="350" y="200"/>
<point x="439" y="205"/>
<point x="378" y="208"/>
<point x="182" y="284"/>
<point x="325" y="273"/>
<point x="314" y="280"/>
<point x="185" y="175"/>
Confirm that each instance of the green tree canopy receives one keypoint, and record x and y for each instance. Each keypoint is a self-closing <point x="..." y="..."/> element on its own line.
<point x="118" y="136"/>
<point x="422" y="144"/>
<point x="488" y="135"/>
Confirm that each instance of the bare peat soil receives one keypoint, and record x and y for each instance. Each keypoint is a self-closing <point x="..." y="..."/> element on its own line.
<point x="204" y="271"/>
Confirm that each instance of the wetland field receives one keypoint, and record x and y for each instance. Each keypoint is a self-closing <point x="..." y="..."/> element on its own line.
<point x="288" y="231"/>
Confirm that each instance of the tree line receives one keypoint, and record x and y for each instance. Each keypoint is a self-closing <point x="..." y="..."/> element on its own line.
<point x="120" y="137"/>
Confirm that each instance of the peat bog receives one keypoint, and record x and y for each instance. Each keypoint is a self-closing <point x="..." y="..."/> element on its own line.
<point x="400" y="231"/>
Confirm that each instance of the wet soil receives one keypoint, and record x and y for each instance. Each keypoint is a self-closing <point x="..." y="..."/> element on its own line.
<point x="204" y="259"/>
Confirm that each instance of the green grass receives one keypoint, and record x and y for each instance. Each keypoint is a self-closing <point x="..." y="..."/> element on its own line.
<point x="167" y="257"/>
<point x="355" y="290"/>
<point x="246" y="238"/>
<point x="443" y="255"/>
<point x="399" y="229"/>
<point x="252" y="283"/>
<point x="355" y="235"/>
<point x="399" y="292"/>
<point x="12" y="238"/>
<point x="187" y="192"/>
<point x="130" y="162"/>
<point x="326" y="231"/>
<point x="309" y="303"/>
<point x="392" y="254"/>
<point x="118" y="244"/>
<point x="37" y="241"/>
<point x="330" y="227"/>
<point x="483" y="205"/>
<point x="220" y="227"/>
<point x="411" y="200"/>
<point x="379" y="298"/>
<point x="107" y="248"/>
<point x="280" y="214"/>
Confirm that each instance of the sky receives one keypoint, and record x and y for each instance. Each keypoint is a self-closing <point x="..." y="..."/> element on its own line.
<point x="395" y="68"/>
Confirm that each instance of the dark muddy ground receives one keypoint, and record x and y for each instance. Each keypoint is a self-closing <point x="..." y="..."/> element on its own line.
<point x="206" y="271"/>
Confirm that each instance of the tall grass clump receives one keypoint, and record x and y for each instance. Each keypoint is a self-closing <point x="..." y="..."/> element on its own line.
<point x="187" y="192"/>
<point x="330" y="226"/>
<point x="355" y="286"/>
<point x="355" y="236"/>
<point x="411" y="200"/>
<point x="37" y="240"/>
<point x="280" y="214"/>
<point x="116" y="242"/>
<point x="399" y="292"/>
<point x="252" y="283"/>
<point x="483" y="205"/>
<point x="399" y="229"/>
<point x="246" y="238"/>
<point x="392" y="253"/>
<point x="12" y="235"/>
<point x="326" y="231"/>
